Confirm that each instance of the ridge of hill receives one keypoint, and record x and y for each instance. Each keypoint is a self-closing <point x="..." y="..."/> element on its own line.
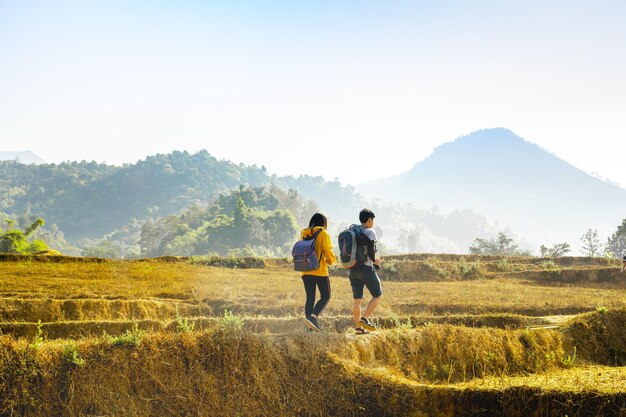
<point x="87" y="199"/>
<point x="499" y="174"/>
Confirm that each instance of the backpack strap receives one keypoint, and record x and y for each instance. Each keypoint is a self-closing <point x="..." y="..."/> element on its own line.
<point x="314" y="235"/>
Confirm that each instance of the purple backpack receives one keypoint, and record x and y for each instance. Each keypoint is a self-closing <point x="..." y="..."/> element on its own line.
<point x="304" y="256"/>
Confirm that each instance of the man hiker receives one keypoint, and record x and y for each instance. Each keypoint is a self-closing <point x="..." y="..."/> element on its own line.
<point x="364" y="275"/>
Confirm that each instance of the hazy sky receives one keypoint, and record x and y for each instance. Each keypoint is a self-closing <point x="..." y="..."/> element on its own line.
<point x="309" y="86"/>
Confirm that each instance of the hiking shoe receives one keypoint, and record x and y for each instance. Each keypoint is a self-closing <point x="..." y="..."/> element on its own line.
<point x="313" y="324"/>
<point x="367" y="324"/>
<point x="360" y="330"/>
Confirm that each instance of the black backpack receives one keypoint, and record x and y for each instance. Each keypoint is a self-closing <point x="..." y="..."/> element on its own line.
<point x="351" y="253"/>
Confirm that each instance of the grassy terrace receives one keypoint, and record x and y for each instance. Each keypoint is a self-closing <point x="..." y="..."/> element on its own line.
<point x="459" y="336"/>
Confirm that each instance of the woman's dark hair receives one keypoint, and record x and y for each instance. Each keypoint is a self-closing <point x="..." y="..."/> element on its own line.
<point x="318" y="219"/>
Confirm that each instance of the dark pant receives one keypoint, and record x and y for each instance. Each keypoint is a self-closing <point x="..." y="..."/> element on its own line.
<point x="365" y="276"/>
<point x="310" y="283"/>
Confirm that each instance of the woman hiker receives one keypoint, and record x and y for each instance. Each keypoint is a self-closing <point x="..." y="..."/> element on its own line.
<point x="318" y="278"/>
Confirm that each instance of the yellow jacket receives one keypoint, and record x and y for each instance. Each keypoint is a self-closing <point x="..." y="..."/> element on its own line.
<point x="323" y="248"/>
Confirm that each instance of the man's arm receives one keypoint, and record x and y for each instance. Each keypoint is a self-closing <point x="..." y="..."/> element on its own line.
<point x="363" y="239"/>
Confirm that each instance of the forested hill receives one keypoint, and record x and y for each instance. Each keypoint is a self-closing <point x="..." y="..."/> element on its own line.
<point x="87" y="199"/>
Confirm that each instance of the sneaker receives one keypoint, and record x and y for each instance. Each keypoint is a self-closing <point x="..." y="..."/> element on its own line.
<point x="313" y="324"/>
<point x="360" y="330"/>
<point x="367" y="324"/>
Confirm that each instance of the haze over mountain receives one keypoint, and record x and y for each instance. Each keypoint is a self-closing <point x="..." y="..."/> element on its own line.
<point x="504" y="177"/>
<point x="476" y="186"/>
<point x="25" y="157"/>
<point x="86" y="201"/>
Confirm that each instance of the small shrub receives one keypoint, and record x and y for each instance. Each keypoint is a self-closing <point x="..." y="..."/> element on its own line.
<point x="399" y="324"/>
<point x="504" y="265"/>
<point x="438" y="373"/>
<point x="610" y="258"/>
<point x="71" y="355"/>
<point x="549" y="266"/>
<point x="601" y="309"/>
<point x="568" y="361"/>
<point x="128" y="338"/>
<point x="469" y="270"/>
<point x="390" y="266"/>
<point x="38" y="339"/>
<point x="230" y="323"/>
<point x="183" y="325"/>
<point x="436" y="266"/>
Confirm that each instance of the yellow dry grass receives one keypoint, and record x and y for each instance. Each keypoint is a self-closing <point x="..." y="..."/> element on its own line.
<point x="600" y="379"/>
<point x="278" y="291"/>
<point x="271" y="367"/>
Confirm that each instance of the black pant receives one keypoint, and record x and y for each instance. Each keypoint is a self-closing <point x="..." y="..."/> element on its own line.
<point x="310" y="282"/>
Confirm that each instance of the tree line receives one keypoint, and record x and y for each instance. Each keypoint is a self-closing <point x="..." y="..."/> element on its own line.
<point x="177" y="202"/>
<point x="591" y="245"/>
<point x="250" y="221"/>
<point x="88" y="200"/>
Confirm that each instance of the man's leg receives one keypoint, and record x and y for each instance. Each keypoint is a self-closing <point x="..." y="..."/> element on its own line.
<point x="371" y="306"/>
<point x="356" y="311"/>
<point x="375" y="288"/>
<point x="357" y="294"/>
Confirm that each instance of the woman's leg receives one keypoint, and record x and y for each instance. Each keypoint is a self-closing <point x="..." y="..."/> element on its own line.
<point x="323" y="283"/>
<point x="309" y="288"/>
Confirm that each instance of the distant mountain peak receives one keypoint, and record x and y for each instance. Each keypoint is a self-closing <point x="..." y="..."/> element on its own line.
<point x="506" y="178"/>
<point x="494" y="132"/>
<point x="24" y="157"/>
<point x="487" y="138"/>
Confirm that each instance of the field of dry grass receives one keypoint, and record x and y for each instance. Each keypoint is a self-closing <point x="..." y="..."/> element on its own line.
<point x="459" y="336"/>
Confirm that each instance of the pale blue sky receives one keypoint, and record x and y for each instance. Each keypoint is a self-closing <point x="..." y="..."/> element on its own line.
<point x="274" y="82"/>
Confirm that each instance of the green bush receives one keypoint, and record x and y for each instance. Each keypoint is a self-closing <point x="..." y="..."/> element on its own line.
<point x="71" y="355"/>
<point x="230" y="323"/>
<point x="183" y="325"/>
<point x="390" y="266"/>
<point x="469" y="270"/>
<point x="436" y="266"/>
<point x="549" y="266"/>
<point x="569" y="360"/>
<point x="129" y="338"/>
<point x="38" y="339"/>
<point x="16" y="241"/>
<point x="504" y="265"/>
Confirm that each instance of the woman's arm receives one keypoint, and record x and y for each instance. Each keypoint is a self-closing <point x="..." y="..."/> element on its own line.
<point x="327" y="249"/>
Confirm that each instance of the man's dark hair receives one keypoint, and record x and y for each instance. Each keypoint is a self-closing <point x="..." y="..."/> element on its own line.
<point x="365" y="215"/>
<point x="318" y="219"/>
